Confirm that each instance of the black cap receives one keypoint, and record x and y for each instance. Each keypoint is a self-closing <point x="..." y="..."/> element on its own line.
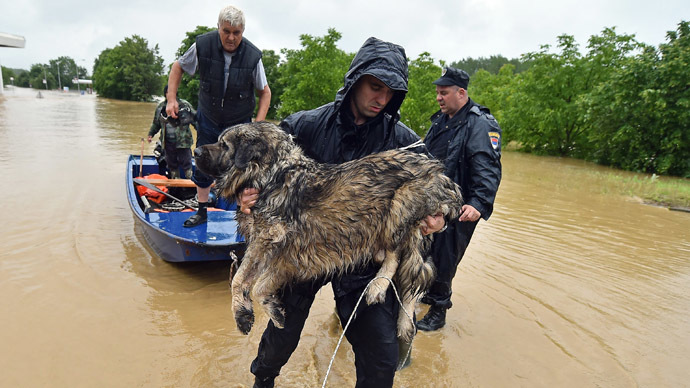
<point x="453" y="76"/>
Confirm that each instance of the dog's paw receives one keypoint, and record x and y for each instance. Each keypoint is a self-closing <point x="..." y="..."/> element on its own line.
<point x="406" y="330"/>
<point x="377" y="291"/>
<point x="245" y="320"/>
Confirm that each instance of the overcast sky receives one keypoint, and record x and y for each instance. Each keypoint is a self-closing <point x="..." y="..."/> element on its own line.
<point x="450" y="30"/>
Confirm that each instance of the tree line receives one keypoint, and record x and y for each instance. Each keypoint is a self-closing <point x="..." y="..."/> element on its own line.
<point x="622" y="103"/>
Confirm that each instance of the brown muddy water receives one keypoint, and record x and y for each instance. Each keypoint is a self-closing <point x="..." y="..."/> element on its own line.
<point x="565" y="286"/>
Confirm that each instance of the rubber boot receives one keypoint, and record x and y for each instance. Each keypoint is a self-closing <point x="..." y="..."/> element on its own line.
<point x="198" y="218"/>
<point x="266" y="382"/>
<point x="434" y="319"/>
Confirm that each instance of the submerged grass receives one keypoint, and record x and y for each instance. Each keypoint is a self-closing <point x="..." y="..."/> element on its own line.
<point x="653" y="189"/>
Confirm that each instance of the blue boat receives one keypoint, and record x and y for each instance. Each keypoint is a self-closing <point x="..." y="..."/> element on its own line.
<point x="211" y="241"/>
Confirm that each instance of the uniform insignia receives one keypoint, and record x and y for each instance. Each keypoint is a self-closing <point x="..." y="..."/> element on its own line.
<point x="495" y="138"/>
<point x="443" y="72"/>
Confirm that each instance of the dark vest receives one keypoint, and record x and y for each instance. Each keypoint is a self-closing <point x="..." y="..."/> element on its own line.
<point x="237" y="104"/>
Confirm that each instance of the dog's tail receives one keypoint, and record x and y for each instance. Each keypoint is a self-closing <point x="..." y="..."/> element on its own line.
<point x="415" y="274"/>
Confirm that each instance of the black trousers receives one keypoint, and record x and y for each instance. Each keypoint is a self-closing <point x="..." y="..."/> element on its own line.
<point x="447" y="250"/>
<point x="372" y="334"/>
<point x="178" y="157"/>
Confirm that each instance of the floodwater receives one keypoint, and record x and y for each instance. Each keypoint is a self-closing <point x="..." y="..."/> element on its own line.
<point x="566" y="285"/>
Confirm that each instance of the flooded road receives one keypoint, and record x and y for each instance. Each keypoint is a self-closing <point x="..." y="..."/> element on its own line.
<point x="566" y="285"/>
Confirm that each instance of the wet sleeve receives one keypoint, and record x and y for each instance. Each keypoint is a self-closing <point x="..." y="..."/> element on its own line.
<point x="484" y="165"/>
<point x="155" y="124"/>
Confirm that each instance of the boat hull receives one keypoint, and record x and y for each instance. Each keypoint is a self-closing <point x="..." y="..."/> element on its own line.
<point x="164" y="233"/>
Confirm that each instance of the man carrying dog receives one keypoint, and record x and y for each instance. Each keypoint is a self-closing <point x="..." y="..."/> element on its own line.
<point x="362" y="120"/>
<point x="467" y="138"/>
<point x="230" y="72"/>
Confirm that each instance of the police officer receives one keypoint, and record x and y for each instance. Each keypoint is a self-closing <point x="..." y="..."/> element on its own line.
<point x="467" y="139"/>
<point x="230" y="72"/>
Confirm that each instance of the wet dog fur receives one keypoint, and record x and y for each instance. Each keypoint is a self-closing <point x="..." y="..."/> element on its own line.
<point x="315" y="220"/>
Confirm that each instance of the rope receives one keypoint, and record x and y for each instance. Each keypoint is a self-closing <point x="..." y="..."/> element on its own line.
<point x="340" y="340"/>
<point x="413" y="145"/>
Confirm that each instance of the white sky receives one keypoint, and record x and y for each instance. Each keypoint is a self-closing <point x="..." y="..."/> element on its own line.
<point x="450" y="30"/>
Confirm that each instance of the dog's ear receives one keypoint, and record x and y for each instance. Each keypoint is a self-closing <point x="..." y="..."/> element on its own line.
<point x="248" y="151"/>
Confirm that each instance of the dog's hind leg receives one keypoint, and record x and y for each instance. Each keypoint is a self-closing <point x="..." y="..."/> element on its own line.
<point x="266" y="290"/>
<point x="389" y="264"/>
<point x="241" y="287"/>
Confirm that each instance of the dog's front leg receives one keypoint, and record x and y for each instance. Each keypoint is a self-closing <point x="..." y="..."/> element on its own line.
<point x="377" y="290"/>
<point x="241" y="287"/>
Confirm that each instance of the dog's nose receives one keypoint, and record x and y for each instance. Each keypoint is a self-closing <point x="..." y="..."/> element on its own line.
<point x="197" y="152"/>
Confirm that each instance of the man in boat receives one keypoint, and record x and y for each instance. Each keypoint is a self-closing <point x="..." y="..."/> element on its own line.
<point x="362" y="120"/>
<point x="467" y="138"/>
<point x="175" y="135"/>
<point x="231" y="76"/>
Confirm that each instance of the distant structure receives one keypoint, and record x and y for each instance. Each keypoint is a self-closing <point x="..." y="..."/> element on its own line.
<point x="9" y="40"/>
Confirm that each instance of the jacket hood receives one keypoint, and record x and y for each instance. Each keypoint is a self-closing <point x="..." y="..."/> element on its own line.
<point x="383" y="60"/>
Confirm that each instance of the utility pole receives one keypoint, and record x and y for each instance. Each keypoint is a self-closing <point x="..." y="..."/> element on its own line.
<point x="77" y="68"/>
<point x="59" y="83"/>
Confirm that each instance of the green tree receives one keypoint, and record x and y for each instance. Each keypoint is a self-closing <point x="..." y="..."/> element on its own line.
<point x="420" y="102"/>
<point x="498" y="92"/>
<point x="493" y="64"/>
<point x="271" y="62"/>
<point x="642" y="112"/>
<point x="6" y="74"/>
<point x="64" y="70"/>
<point x="129" y="71"/>
<point x="37" y="74"/>
<point x="312" y="75"/>
<point x="550" y="121"/>
<point x="189" y="85"/>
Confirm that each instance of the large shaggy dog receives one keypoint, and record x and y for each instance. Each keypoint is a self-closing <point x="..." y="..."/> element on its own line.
<point x="313" y="220"/>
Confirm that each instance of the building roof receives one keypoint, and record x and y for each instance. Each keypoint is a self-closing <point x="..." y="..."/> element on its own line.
<point x="9" y="40"/>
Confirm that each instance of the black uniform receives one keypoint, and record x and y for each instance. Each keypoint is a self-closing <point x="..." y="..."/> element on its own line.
<point x="328" y="134"/>
<point x="469" y="144"/>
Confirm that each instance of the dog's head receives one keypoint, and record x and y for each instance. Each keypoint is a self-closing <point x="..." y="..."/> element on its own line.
<point x="243" y="155"/>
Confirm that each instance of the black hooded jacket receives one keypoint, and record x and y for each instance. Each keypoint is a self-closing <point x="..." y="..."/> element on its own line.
<point x="328" y="133"/>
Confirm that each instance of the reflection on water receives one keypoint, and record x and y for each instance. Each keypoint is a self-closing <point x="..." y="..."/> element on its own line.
<point x="565" y="286"/>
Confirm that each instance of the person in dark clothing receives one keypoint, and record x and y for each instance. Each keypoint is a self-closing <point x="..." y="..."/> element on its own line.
<point x="362" y="120"/>
<point x="176" y="136"/>
<point x="467" y="139"/>
<point x="230" y="73"/>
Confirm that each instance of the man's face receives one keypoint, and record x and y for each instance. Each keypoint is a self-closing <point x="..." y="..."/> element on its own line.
<point x="230" y="36"/>
<point x="450" y="98"/>
<point x="369" y="97"/>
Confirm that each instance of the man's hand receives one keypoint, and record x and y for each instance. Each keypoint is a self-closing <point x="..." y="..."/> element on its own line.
<point x="432" y="224"/>
<point x="247" y="199"/>
<point x="172" y="108"/>
<point x="469" y="213"/>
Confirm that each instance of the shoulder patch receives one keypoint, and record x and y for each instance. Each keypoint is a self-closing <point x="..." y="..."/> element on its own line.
<point x="495" y="138"/>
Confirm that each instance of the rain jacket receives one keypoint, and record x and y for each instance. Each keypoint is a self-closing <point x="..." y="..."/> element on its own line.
<point x="183" y="136"/>
<point x="473" y="160"/>
<point x="328" y="133"/>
